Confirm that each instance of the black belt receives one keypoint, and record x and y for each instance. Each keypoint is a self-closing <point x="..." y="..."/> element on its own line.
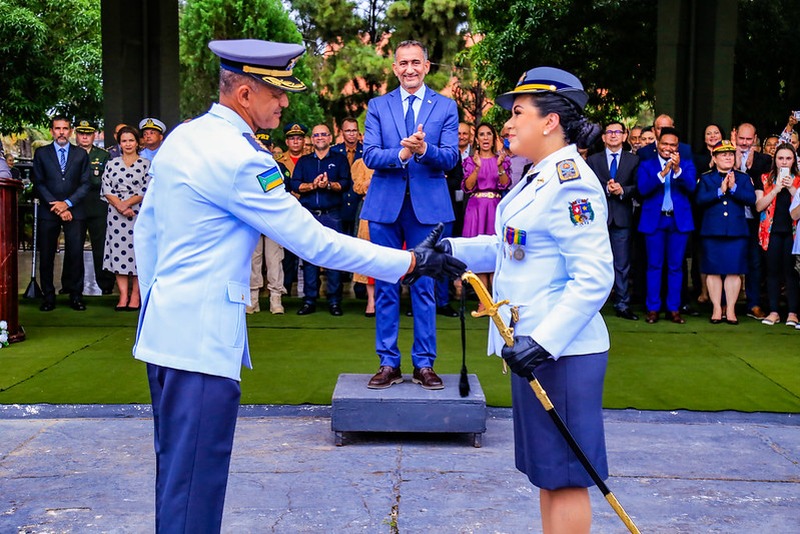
<point x="322" y="212"/>
<point x="667" y="213"/>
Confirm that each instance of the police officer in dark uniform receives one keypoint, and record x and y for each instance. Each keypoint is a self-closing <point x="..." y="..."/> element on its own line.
<point x="96" y="209"/>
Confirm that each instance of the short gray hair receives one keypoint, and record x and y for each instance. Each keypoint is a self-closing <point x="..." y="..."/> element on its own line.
<point x="229" y="80"/>
<point x="412" y="42"/>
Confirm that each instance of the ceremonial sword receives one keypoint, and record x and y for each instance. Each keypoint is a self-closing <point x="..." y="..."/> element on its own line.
<point x="507" y="332"/>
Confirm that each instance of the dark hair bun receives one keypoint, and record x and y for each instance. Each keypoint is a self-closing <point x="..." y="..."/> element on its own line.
<point x="586" y="133"/>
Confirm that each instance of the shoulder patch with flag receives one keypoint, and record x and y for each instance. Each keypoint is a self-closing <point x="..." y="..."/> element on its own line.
<point x="270" y="179"/>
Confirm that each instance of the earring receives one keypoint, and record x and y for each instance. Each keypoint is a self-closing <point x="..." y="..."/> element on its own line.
<point x="546" y="132"/>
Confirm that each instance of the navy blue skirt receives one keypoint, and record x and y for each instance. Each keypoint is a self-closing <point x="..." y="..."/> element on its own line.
<point x="575" y="387"/>
<point x="724" y="255"/>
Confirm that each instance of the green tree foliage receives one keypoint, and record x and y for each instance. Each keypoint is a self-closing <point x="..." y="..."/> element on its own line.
<point x="206" y="20"/>
<point x="766" y="71"/>
<point x="609" y="44"/>
<point x="52" y="61"/>
<point x="353" y="54"/>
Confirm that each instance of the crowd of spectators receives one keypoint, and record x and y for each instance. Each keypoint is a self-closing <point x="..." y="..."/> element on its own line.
<point x="687" y="229"/>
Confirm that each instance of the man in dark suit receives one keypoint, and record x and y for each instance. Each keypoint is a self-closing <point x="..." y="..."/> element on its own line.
<point x="616" y="170"/>
<point x="755" y="164"/>
<point x="665" y="184"/>
<point x="61" y="176"/>
<point x="410" y="140"/>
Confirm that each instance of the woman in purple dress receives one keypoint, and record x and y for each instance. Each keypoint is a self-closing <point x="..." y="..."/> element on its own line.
<point x="486" y="176"/>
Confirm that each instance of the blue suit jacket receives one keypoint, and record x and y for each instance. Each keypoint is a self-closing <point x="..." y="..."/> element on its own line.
<point x="652" y="192"/>
<point x="724" y="215"/>
<point x="423" y="176"/>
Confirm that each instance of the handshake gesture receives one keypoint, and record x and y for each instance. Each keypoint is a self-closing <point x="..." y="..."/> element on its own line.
<point x="434" y="259"/>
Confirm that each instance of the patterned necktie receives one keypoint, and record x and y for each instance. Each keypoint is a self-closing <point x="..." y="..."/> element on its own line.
<point x="410" y="115"/>
<point x="744" y="162"/>
<point x="62" y="159"/>
<point x="613" y="170"/>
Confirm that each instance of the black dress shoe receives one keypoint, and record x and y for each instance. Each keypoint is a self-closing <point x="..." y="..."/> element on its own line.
<point x="715" y="321"/>
<point x="77" y="305"/>
<point x="688" y="310"/>
<point x="307" y="309"/>
<point x="385" y="377"/>
<point x="47" y="306"/>
<point x="446" y="310"/>
<point x="627" y="314"/>
<point x="336" y="310"/>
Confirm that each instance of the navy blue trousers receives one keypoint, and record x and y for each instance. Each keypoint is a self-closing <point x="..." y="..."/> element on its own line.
<point x="194" y="418"/>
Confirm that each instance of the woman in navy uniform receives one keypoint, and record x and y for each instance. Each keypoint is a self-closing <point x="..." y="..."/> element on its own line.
<point x="552" y="259"/>
<point x="722" y="195"/>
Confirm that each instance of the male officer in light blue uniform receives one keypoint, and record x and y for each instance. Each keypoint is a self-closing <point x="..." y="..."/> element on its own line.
<point x="194" y="238"/>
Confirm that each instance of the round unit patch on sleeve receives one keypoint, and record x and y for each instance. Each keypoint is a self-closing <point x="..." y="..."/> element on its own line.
<point x="567" y="171"/>
<point x="581" y="212"/>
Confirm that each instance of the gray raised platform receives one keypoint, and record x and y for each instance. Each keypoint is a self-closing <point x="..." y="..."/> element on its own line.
<point x="407" y="407"/>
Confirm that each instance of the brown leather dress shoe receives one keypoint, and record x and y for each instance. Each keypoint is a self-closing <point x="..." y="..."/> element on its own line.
<point x="651" y="317"/>
<point x="675" y="317"/>
<point x="385" y="377"/>
<point x="427" y="378"/>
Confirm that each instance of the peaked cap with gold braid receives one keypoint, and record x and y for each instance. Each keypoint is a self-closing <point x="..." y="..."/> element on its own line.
<point x="546" y="80"/>
<point x="267" y="61"/>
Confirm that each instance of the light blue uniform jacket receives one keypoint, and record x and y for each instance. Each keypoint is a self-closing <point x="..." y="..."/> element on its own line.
<point x="196" y="232"/>
<point x="567" y="270"/>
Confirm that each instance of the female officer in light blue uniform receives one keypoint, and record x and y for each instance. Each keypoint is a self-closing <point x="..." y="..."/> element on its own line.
<point x="552" y="258"/>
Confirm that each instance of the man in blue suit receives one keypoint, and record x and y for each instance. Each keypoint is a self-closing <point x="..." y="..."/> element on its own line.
<point x="410" y="140"/>
<point x="665" y="185"/>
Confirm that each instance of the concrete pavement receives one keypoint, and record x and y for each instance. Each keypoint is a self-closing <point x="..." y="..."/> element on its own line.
<point x="90" y="469"/>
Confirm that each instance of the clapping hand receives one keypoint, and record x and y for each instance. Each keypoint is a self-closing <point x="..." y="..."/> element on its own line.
<point x="728" y="182"/>
<point x="415" y="143"/>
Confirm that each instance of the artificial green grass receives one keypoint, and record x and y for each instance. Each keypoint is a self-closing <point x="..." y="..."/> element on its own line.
<point x="85" y="358"/>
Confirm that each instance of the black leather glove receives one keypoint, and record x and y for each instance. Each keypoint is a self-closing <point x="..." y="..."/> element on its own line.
<point x="444" y="247"/>
<point x="432" y="262"/>
<point x="524" y="356"/>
